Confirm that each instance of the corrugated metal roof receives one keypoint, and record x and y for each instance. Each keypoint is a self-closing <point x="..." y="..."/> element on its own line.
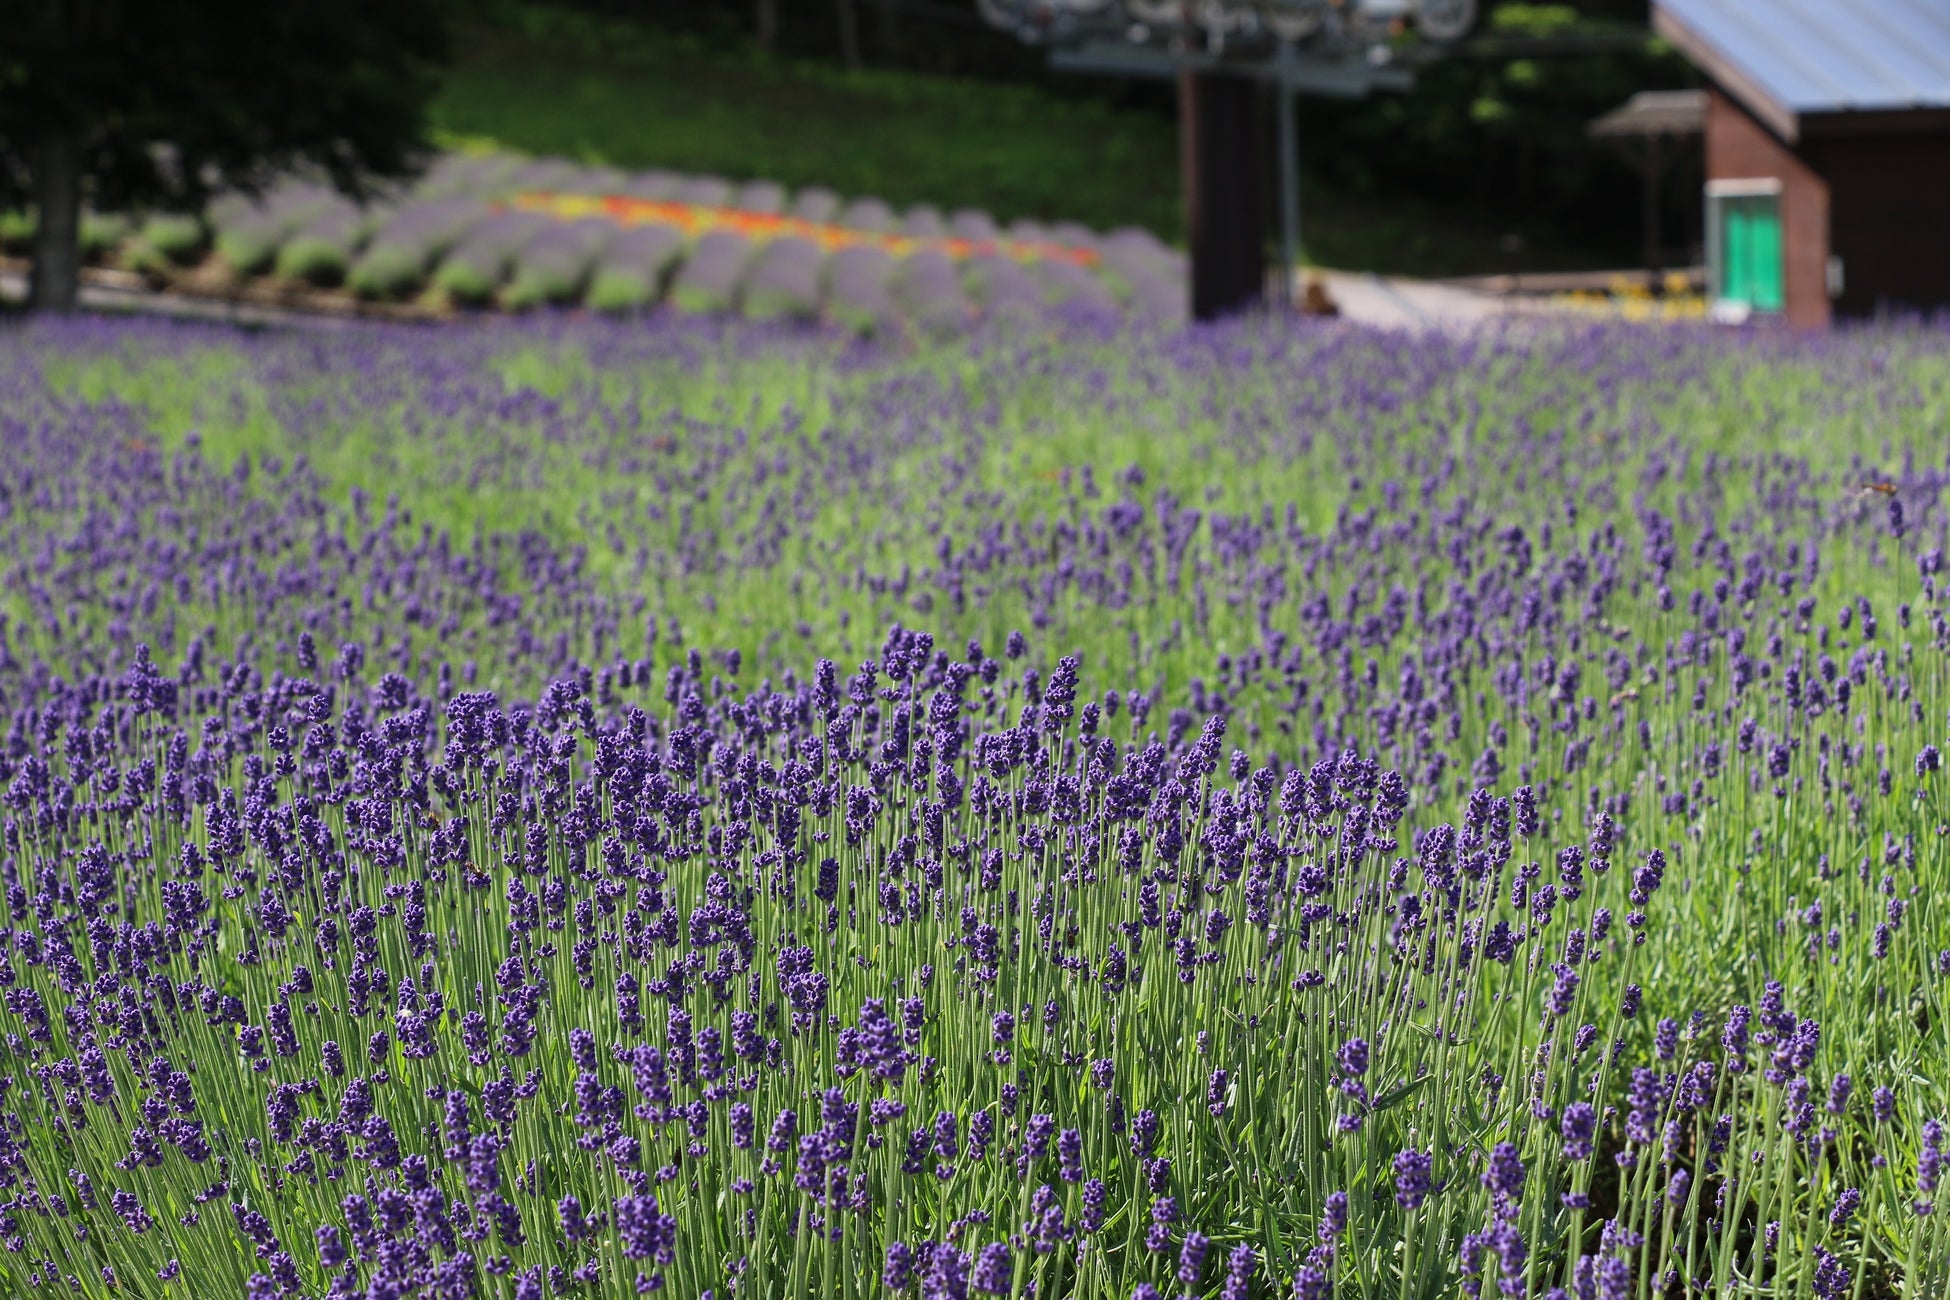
<point x="1825" y="56"/>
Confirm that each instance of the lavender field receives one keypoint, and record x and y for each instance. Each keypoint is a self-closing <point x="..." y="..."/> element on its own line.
<point x="723" y="809"/>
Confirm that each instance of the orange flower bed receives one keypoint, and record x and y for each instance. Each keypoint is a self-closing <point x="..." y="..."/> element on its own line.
<point x="759" y="227"/>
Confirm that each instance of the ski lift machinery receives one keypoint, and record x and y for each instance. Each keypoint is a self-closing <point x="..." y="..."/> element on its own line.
<point x="1345" y="49"/>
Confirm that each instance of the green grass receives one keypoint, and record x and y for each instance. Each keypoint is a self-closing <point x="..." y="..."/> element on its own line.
<point x="632" y="96"/>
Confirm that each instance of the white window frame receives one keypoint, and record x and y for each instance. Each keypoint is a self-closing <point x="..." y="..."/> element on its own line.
<point x="1717" y="192"/>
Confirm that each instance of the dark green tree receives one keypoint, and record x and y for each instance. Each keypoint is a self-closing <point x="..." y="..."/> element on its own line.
<point x="157" y="103"/>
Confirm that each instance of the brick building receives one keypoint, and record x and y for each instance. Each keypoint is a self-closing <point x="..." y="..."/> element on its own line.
<point x="1827" y="137"/>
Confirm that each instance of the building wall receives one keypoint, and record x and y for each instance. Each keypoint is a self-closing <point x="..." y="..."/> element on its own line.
<point x="1740" y="148"/>
<point x="1890" y="218"/>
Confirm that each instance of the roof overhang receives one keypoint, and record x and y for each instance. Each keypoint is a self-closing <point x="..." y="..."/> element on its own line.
<point x="1771" y="112"/>
<point x="1654" y="112"/>
<point x="1875" y="121"/>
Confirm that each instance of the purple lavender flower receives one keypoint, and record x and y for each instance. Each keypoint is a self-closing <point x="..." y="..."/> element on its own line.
<point x="1239" y="1272"/>
<point x="992" y="1270"/>
<point x="1191" y="1258"/>
<point x="898" y="1274"/>
<point x="1164" y="1212"/>
<point x="1505" y="1174"/>
<point x="859" y="288"/>
<point x="630" y="272"/>
<point x="1333" y="1216"/>
<point x="1412" y="1178"/>
<point x="1562" y="997"/>
<point x="1838" y="1093"/>
<point x="1735" y="1038"/>
<point x="1832" y="1277"/>
<point x="1215" y="1093"/>
<point x="783" y="280"/>
<point x="1144" y="1132"/>
<point x="1095" y="1194"/>
<point x="709" y="278"/>
<point x="929" y="291"/>
<point x="1069" y="1154"/>
<point x="1310" y="1283"/>
<point x="1579" y="1128"/>
<point x="1929" y="1165"/>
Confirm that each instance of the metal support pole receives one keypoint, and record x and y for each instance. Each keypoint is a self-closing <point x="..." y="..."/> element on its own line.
<point x="1654" y="164"/>
<point x="1287" y="101"/>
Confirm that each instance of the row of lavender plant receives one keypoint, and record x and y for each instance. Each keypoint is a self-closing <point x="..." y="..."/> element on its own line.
<point x="1563" y="919"/>
<point x="446" y="235"/>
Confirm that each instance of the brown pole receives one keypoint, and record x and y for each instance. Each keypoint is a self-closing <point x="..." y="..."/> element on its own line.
<point x="1653" y="163"/>
<point x="849" y="36"/>
<point x="1223" y="168"/>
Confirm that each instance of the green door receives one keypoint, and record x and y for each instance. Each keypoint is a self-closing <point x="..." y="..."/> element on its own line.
<point x="1750" y="251"/>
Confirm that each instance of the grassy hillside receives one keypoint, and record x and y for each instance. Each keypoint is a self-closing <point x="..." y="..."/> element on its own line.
<point x="547" y="81"/>
<point x="551" y="83"/>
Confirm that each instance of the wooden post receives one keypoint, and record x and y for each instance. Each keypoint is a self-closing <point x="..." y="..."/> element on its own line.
<point x="1654" y="164"/>
<point x="1223" y="169"/>
<point x="849" y="36"/>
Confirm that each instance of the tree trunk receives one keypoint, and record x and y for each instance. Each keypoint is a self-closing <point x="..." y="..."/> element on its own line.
<point x="768" y="24"/>
<point x="57" y="241"/>
<point x="849" y="36"/>
<point x="890" y="35"/>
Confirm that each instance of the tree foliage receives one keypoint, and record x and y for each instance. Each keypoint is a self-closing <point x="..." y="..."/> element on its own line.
<point x="155" y="103"/>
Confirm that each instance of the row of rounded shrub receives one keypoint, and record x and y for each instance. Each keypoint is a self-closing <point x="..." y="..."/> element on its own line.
<point x="157" y="241"/>
<point x="453" y="238"/>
